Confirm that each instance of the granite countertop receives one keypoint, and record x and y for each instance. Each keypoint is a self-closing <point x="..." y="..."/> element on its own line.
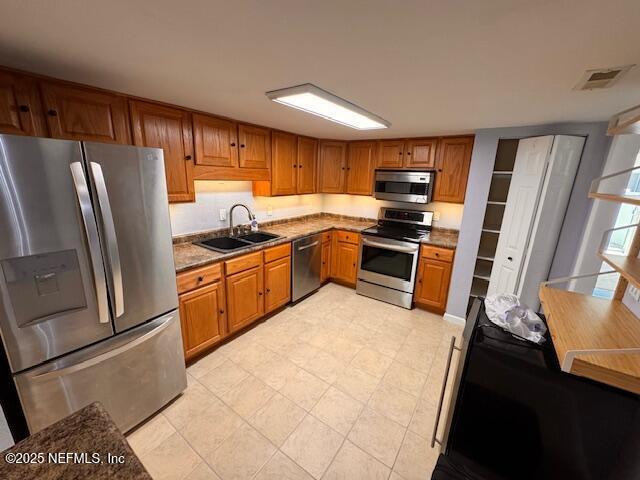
<point x="89" y="431"/>
<point x="189" y="255"/>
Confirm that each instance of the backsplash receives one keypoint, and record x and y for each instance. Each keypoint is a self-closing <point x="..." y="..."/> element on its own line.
<point x="211" y="196"/>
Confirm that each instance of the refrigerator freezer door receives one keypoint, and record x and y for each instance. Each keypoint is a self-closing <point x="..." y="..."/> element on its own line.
<point x="132" y="206"/>
<point x="53" y="296"/>
<point x="145" y="364"/>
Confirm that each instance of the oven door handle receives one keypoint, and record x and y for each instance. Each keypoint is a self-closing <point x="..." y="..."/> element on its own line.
<point x="386" y="246"/>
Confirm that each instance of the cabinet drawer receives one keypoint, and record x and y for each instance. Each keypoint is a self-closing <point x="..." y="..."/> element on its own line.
<point x="274" y="253"/>
<point x="198" y="277"/>
<point x="349" y="237"/>
<point x="243" y="263"/>
<point x="326" y="237"/>
<point x="435" y="253"/>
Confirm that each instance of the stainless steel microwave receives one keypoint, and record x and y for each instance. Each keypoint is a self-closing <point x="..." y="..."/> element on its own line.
<point x="404" y="186"/>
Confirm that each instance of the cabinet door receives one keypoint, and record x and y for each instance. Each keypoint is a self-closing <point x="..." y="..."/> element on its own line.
<point x="284" y="163"/>
<point x="307" y="155"/>
<point x="203" y="318"/>
<point x="215" y="141"/>
<point x="432" y="285"/>
<point x="360" y="167"/>
<point x="77" y="113"/>
<point x="170" y="129"/>
<point x="452" y="164"/>
<point x="390" y="153"/>
<point x="277" y="283"/>
<point x="245" y="299"/>
<point x="20" y="111"/>
<point x="420" y="153"/>
<point x="344" y="258"/>
<point x="255" y="147"/>
<point x="325" y="267"/>
<point x="332" y="171"/>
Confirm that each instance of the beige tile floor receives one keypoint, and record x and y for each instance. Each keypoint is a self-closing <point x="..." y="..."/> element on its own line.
<point x="339" y="386"/>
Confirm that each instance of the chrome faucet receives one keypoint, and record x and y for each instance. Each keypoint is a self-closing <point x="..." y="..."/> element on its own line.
<point x="249" y="212"/>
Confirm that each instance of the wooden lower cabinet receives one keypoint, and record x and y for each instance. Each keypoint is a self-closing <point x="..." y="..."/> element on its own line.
<point x="432" y="284"/>
<point x="325" y="260"/>
<point x="245" y="297"/>
<point x="277" y="283"/>
<point x="344" y="257"/>
<point x="203" y="318"/>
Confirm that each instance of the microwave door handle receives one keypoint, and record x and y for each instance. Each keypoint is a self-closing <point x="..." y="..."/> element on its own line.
<point x="91" y="232"/>
<point x="110" y="236"/>
<point x="395" y="248"/>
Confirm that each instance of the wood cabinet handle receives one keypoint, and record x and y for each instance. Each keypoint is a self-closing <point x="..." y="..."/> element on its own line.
<point x="23" y="108"/>
<point x="233" y="144"/>
<point x="52" y="113"/>
<point x="188" y="157"/>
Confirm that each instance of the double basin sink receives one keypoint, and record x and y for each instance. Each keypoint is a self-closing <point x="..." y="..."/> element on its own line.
<point x="231" y="244"/>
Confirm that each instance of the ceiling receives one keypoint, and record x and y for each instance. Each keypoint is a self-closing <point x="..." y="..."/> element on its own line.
<point x="429" y="67"/>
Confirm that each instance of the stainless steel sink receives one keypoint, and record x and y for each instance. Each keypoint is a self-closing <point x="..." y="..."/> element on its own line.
<point x="231" y="244"/>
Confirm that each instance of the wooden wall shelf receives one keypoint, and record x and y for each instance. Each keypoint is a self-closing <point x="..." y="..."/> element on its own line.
<point x="628" y="267"/>
<point x="593" y="337"/>
<point x="612" y="197"/>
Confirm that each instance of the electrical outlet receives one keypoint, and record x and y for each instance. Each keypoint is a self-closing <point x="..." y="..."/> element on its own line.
<point x="436" y="216"/>
<point x="269" y="211"/>
<point x="223" y="214"/>
<point x="634" y="292"/>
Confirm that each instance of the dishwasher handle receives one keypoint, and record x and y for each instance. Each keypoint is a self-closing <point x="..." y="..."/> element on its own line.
<point x="308" y="246"/>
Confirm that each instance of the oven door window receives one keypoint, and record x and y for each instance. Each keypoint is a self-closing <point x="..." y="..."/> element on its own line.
<point x="402" y="187"/>
<point x="387" y="262"/>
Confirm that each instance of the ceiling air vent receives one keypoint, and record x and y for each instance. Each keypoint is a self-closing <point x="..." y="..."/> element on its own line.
<point x="602" y="77"/>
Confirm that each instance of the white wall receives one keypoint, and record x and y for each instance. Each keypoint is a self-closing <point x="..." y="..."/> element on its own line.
<point x="211" y="196"/>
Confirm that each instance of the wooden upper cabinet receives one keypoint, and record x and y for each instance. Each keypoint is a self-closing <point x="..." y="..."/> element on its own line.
<point x="170" y="129"/>
<point x="361" y="164"/>
<point x="78" y="113"/>
<point x="333" y="164"/>
<point x="284" y="163"/>
<point x="390" y="153"/>
<point x="203" y="318"/>
<point x="277" y="283"/>
<point x="245" y="297"/>
<point x="307" y="156"/>
<point x="255" y="146"/>
<point x="452" y="169"/>
<point x="420" y="153"/>
<point x="215" y="141"/>
<point x="20" y="110"/>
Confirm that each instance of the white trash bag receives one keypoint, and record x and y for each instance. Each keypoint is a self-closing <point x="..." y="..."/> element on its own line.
<point x="505" y="311"/>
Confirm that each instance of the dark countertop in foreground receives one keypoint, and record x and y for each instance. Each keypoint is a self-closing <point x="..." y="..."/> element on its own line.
<point x="189" y="255"/>
<point x="88" y="431"/>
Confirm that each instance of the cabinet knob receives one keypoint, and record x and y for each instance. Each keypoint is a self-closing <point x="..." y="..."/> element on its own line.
<point x="233" y="144"/>
<point x="242" y="145"/>
<point x="221" y="312"/>
<point x="437" y="254"/>
<point x="52" y="113"/>
<point x="23" y="108"/>
<point x="295" y="166"/>
<point x="348" y="168"/>
<point x="419" y="280"/>
<point x="260" y="293"/>
<point x="200" y="279"/>
<point x="408" y="153"/>
<point x="399" y="153"/>
<point x="268" y="290"/>
<point x="354" y="264"/>
<point x="299" y="166"/>
<point x="342" y="168"/>
<point x="439" y="169"/>
<point x="510" y="259"/>
<point x="188" y="157"/>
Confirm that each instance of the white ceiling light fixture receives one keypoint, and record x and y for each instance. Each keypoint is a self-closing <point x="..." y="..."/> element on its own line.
<point x="312" y="99"/>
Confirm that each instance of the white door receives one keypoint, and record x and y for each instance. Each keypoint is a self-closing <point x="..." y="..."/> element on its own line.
<point x="556" y="190"/>
<point x="526" y="183"/>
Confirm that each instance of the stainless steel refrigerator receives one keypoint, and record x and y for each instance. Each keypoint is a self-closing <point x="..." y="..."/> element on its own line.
<point x="88" y="300"/>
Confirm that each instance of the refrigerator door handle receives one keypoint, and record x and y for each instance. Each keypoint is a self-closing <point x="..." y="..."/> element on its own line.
<point x="91" y="231"/>
<point x="111" y="238"/>
<point x="89" y="362"/>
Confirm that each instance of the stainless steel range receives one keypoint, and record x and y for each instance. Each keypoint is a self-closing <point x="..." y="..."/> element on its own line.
<point x="389" y="255"/>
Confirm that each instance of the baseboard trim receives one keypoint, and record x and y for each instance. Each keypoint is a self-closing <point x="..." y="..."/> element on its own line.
<point x="454" y="319"/>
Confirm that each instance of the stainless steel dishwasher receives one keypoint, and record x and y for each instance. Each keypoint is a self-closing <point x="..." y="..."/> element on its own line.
<point x="306" y="266"/>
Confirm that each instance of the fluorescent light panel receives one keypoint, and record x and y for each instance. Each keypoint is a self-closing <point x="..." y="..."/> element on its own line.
<point x="312" y="99"/>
